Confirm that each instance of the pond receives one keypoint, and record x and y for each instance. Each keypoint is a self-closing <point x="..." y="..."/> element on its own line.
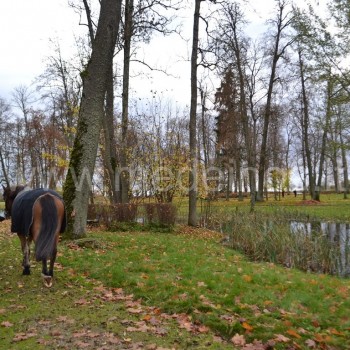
<point x="337" y="234"/>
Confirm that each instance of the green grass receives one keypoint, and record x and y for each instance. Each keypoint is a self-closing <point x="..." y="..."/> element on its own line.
<point x="332" y="207"/>
<point x="182" y="282"/>
<point x="80" y="312"/>
<point x="187" y="274"/>
<point x="169" y="276"/>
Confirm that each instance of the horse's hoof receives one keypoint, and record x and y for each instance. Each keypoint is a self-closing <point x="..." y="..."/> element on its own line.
<point x="26" y="271"/>
<point x="47" y="280"/>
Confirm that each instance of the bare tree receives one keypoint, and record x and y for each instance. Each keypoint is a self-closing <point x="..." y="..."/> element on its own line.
<point x="283" y="21"/>
<point x="23" y="99"/>
<point x="192" y="195"/>
<point x="4" y="115"/>
<point x="233" y="47"/>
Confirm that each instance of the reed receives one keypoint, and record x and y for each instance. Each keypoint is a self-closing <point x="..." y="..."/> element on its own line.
<point x="264" y="237"/>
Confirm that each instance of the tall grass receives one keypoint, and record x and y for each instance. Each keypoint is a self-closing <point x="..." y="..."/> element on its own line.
<point x="265" y="237"/>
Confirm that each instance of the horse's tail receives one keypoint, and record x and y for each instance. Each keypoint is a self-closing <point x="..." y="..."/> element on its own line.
<point x="46" y="240"/>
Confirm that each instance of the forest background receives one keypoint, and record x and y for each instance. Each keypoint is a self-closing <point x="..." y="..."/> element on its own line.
<point x="271" y="100"/>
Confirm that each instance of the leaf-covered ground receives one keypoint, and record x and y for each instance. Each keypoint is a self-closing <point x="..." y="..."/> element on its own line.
<point x="178" y="290"/>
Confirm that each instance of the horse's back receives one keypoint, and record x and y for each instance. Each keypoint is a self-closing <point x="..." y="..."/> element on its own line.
<point x="22" y="209"/>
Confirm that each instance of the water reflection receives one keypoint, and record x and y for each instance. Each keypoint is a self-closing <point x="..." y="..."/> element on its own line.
<point x="337" y="234"/>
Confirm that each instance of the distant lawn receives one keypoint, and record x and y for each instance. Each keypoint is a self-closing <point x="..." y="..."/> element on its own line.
<point x="332" y="207"/>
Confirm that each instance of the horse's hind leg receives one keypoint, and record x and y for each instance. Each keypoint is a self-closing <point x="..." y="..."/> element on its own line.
<point x="52" y="261"/>
<point x="25" y="244"/>
<point x="44" y="270"/>
<point x="48" y="275"/>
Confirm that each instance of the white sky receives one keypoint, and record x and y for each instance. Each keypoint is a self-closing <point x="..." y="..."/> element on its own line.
<point x="26" y="28"/>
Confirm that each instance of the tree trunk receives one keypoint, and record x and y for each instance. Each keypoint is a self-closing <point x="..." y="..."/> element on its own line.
<point x="110" y="156"/>
<point x="124" y="175"/>
<point x="248" y="135"/>
<point x="4" y="171"/>
<point x="77" y="186"/>
<point x="334" y="161"/>
<point x="192" y="207"/>
<point x="282" y="22"/>
<point x="263" y="153"/>
<point x="317" y="194"/>
<point x="344" y="164"/>
<point x="204" y="130"/>
<point x="305" y="128"/>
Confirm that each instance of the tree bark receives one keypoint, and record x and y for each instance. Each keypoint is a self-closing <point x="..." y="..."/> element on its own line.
<point x="110" y="156"/>
<point x="305" y="128"/>
<point x="344" y="164"/>
<point x="77" y="186"/>
<point x="192" y="207"/>
<point x="128" y="29"/>
<point x="317" y="193"/>
<point x="3" y="167"/>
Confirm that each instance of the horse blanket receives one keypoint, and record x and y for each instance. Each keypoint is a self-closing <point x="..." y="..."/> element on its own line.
<point x="22" y="210"/>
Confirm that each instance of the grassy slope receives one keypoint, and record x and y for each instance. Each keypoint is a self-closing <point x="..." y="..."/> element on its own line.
<point x="208" y="290"/>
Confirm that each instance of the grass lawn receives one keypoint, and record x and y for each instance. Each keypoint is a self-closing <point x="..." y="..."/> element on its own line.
<point x="181" y="290"/>
<point x="332" y="207"/>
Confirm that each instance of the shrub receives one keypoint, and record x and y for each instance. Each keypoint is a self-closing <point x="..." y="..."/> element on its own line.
<point x="160" y="213"/>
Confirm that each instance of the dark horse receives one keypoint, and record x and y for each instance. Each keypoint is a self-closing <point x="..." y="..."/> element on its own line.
<point x="37" y="215"/>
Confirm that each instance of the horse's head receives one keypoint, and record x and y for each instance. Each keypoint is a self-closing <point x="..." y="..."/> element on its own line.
<point x="9" y="196"/>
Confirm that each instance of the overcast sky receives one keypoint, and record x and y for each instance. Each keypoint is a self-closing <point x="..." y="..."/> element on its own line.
<point x="26" y="28"/>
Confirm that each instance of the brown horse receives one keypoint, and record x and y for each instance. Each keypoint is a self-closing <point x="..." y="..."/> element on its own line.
<point x="37" y="215"/>
<point x="9" y="195"/>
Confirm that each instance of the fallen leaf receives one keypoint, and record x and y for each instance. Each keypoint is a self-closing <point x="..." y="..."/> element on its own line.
<point x="247" y="326"/>
<point x="147" y="317"/>
<point x="302" y="330"/>
<point x="23" y="336"/>
<point x="336" y="332"/>
<point x="256" y="345"/>
<point x="247" y="278"/>
<point x="134" y="311"/>
<point x="281" y="338"/>
<point x="310" y="343"/>
<point x="82" y="302"/>
<point x="55" y="333"/>
<point x="238" y="340"/>
<point x="161" y="331"/>
<point x="322" y="338"/>
<point x="203" y="329"/>
<point x="315" y="323"/>
<point x="82" y="345"/>
<point x="293" y="333"/>
<point x="6" y="324"/>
